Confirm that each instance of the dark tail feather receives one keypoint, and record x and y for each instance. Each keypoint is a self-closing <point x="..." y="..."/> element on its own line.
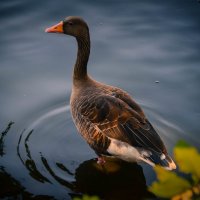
<point x="155" y="158"/>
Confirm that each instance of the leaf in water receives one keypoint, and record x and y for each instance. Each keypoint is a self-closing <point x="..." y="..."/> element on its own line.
<point x="188" y="159"/>
<point x="168" y="184"/>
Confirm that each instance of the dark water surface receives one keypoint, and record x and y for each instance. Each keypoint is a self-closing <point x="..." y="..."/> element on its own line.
<point x="134" y="44"/>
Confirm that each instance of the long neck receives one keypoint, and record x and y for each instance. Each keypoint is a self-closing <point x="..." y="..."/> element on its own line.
<point x="80" y="68"/>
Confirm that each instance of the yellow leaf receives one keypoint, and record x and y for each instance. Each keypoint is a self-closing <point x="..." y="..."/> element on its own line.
<point x="188" y="159"/>
<point x="86" y="197"/>
<point x="168" y="184"/>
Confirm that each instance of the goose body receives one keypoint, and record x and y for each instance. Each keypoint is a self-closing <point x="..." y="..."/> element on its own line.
<point x="107" y="117"/>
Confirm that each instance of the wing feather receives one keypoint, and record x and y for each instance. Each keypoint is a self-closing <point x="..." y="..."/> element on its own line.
<point x="112" y="117"/>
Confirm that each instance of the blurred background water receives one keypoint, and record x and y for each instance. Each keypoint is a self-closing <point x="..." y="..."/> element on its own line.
<point x="150" y="48"/>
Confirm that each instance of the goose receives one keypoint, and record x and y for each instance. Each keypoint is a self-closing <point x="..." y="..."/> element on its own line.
<point x="107" y="117"/>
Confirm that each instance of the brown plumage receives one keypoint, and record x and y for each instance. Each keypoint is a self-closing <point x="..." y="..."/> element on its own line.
<point x="111" y="122"/>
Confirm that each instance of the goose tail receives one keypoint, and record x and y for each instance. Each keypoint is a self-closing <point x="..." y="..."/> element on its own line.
<point x="164" y="160"/>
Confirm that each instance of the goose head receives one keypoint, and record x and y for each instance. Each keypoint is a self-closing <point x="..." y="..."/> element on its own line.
<point x="72" y="25"/>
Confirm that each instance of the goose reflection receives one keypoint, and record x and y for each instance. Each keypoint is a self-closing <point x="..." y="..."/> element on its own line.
<point x="115" y="180"/>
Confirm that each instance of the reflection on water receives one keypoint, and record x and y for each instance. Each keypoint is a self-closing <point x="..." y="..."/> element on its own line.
<point x="115" y="180"/>
<point x="3" y="134"/>
<point x="54" y="169"/>
<point x="12" y="189"/>
<point x="134" y="44"/>
<point x="29" y="163"/>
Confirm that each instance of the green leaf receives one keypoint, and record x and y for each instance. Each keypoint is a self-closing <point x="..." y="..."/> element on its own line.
<point x="168" y="184"/>
<point x="188" y="159"/>
<point x="182" y="143"/>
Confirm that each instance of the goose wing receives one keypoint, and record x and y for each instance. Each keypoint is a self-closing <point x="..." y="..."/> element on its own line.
<point x="112" y="126"/>
<point x="114" y="118"/>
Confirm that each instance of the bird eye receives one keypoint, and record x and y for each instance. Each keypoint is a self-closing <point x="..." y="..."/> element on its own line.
<point x="70" y="23"/>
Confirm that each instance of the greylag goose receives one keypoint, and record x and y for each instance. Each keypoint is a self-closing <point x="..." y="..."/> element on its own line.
<point x="107" y="117"/>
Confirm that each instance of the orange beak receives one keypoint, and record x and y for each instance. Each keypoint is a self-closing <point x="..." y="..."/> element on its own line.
<point x="58" y="28"/>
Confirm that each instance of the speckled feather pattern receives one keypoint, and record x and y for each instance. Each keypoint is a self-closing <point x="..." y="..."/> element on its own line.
<point x="101" y="112"/>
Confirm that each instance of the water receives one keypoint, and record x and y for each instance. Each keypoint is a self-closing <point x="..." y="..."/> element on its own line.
<point x="149" y="48"/>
